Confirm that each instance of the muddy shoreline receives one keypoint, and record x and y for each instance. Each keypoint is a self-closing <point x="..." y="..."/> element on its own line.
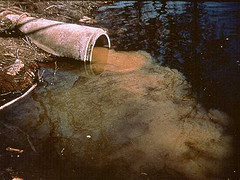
<point x="19" y="57"/>
<point x="126" y="123"/>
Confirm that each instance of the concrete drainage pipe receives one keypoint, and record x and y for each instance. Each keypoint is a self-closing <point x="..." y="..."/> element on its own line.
<point x="62" y="39"/>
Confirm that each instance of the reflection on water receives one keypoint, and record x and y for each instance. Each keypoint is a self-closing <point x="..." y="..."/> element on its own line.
<point x="201" y="39"/>
<point x="136" y="120"/>
<point x="126" y="117"/>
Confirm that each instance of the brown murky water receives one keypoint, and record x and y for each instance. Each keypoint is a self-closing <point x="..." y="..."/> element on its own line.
<point x="134" y="120"/>
<point x="110" y="60"/>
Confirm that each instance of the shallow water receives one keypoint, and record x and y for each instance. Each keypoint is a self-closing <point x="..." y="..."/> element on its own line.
<point x="200" y="39"/>
<point x="125" y="116"/>
<point x="133" y="118"/>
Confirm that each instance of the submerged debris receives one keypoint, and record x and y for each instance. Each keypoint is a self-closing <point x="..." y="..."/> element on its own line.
<point x="14" y="150"/>
<point x="17" y="178"/>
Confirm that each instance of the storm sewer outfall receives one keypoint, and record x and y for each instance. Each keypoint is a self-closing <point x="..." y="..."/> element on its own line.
<point x="62" y="39"/>
<point x="57" y="38"/>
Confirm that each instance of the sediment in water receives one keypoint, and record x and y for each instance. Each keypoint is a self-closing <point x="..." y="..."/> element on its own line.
<point x="135" y="112"/>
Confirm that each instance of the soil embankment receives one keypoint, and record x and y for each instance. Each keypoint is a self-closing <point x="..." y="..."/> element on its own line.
<point x="18" y="56"/>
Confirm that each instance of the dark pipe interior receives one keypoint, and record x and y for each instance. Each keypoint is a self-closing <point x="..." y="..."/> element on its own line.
<point x="102" y="41"/>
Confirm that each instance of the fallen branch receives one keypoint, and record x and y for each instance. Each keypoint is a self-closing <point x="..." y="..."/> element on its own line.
<point x="18" y="98"/>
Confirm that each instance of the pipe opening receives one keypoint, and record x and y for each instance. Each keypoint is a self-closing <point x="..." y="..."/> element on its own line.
<point x="102" y="41"/>
<point x="100" y="54"/>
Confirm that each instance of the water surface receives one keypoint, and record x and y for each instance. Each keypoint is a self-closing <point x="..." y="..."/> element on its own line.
<point x="135" y="116"/>
<point x="129" y="116"/>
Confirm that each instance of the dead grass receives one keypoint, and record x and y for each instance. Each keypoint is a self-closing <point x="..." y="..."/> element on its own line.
<point x="14" y="45"/>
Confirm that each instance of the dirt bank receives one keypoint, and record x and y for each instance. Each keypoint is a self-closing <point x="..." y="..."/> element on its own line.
<point x="18" y="56"/>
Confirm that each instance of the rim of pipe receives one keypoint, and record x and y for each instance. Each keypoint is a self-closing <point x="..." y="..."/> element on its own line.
<point x="92" y="42"/>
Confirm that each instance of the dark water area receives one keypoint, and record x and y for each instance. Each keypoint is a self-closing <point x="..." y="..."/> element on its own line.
<point x="169" y="114"/>
<point x="200" y="39"/>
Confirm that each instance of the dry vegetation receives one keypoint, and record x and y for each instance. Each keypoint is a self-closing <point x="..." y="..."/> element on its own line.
<point x="15" y="46"/>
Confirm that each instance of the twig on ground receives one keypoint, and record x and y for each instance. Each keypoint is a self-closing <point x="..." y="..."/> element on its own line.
<point x="17" y="53"/>
<point x="57" y="6"/>
<point x="28" y="42"/>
